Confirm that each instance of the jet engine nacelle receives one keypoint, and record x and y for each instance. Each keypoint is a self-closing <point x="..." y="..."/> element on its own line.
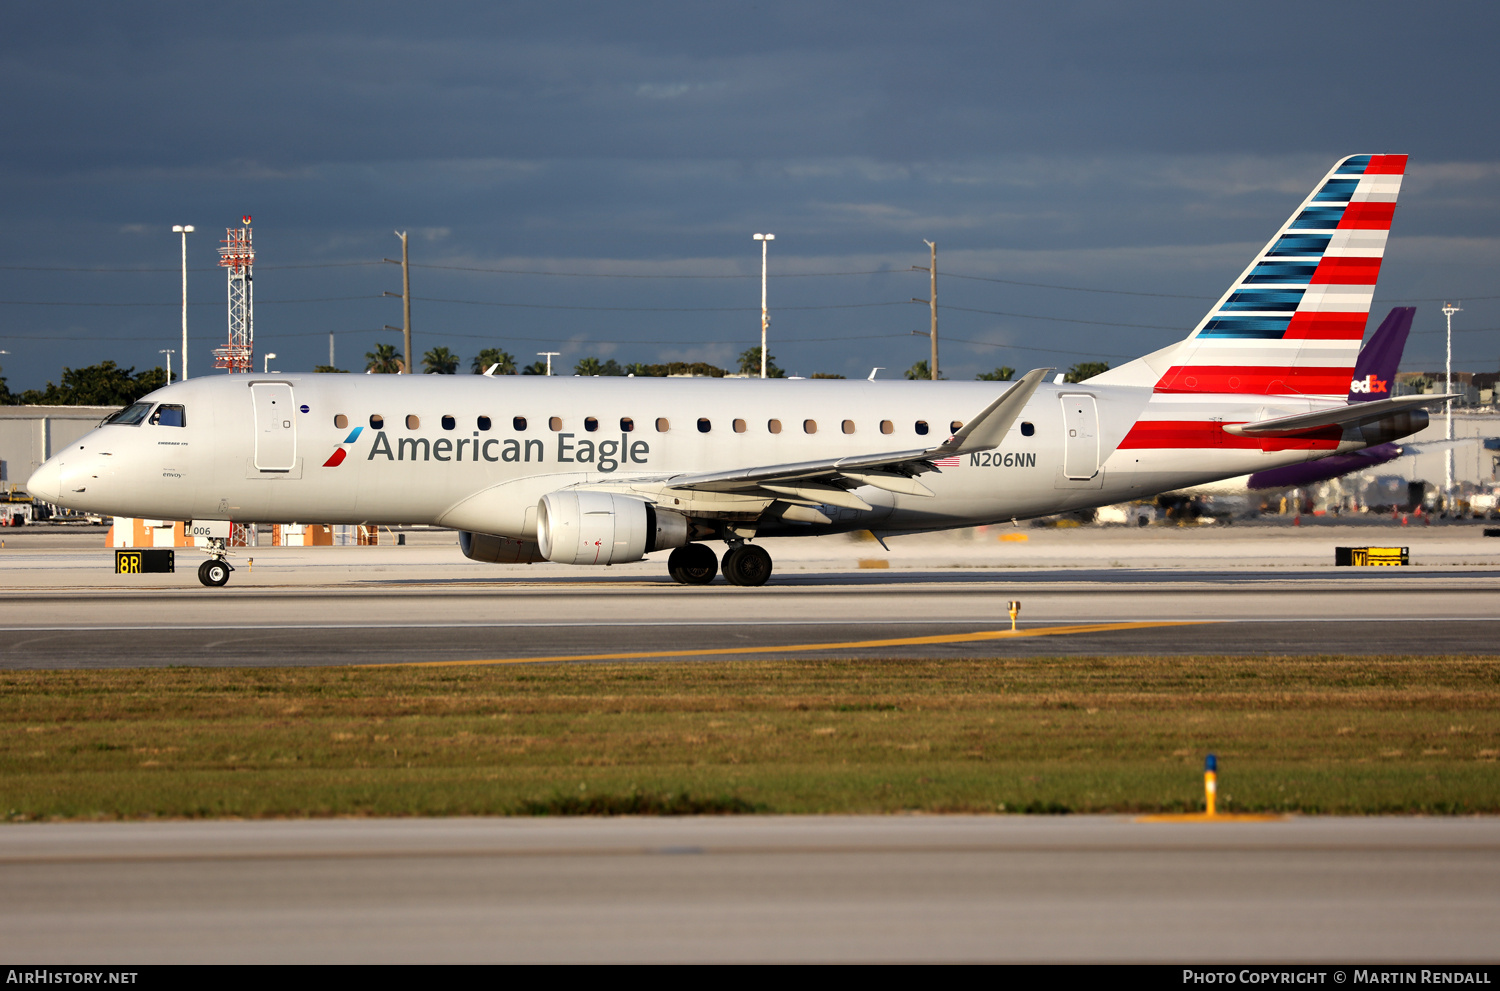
<point x="582" y="527"/>
<point x="1394" y="427"/>
<point x="493" y="549"/>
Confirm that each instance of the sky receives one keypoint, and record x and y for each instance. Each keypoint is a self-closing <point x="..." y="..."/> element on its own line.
<point x="585" y="177"/>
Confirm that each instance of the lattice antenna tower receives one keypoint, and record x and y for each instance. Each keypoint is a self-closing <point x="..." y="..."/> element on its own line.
<point x="237" y="257"/>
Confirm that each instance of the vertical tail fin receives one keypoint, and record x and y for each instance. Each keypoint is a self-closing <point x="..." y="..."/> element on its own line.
<point x="1375" y="369"/>
<point x="1291" y="324"/>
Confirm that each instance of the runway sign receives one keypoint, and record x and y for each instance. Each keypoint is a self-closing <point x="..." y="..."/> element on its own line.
<point x="1361" y="557"/>
<point x="145" y="561"/>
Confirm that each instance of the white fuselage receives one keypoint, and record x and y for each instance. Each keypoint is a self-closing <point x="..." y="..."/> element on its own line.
<point x="454" y="451"/>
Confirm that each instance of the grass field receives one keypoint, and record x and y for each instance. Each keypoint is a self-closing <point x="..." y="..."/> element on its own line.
<point x="1311" y="734"/>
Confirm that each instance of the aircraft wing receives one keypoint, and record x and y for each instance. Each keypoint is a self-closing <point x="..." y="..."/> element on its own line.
<point x="891" y="470"/>
<point x="1353" y="415"/>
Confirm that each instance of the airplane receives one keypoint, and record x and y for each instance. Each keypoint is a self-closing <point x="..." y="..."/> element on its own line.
<point x="1374" y="373"/>
<point x="599" y="471"/>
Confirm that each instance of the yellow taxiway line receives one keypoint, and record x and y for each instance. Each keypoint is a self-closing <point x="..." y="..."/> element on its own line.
<point x="1041" y="631"/>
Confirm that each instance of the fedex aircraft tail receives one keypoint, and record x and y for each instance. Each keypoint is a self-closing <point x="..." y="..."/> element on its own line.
<point x="1291" y="324"/>
<point x="1378" y="360"/>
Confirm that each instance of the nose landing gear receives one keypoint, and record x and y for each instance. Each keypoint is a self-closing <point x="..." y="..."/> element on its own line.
<point x="215" y="571"/>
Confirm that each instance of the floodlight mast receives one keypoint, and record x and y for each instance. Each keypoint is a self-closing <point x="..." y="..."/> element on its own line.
<point x="765" y="318"/>
<point x="1448" y="310"/>
<point x="237" y="257"/>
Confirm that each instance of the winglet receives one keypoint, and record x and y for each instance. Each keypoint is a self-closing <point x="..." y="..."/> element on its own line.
<point x="988" y="429"/>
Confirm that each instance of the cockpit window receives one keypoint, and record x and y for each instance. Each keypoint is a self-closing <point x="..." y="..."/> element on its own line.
<point x="130" y="415"/>
<point x="168" y="415"/>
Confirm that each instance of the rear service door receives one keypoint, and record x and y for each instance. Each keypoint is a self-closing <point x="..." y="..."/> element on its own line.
<point x="1080" y="436"/>
<point x="275" y="426"/>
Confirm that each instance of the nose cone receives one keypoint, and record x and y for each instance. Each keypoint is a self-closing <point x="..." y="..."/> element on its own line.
<point x="46" y="482"/>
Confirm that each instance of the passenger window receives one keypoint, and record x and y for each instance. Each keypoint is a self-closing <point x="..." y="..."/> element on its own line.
<point x="591" y="423"/>
<point x="449" y="423"/>
<point x="1027" y="429"/>
<point x="377" y="422"/>
<point x="626" y="424"/>
<point x="955" y="426"/>
<point x="662" y="426"/>
<point x="922" y="427"/>
<point x="774" y="426"/>
<point x="518" y="423"/>
<point x="555" y="423"/>
<point x="809" y="426"/>
<point x="168" y="415"/>
<point x="848" y="426"/>
<point x="484" y="423"/>
<point x="341" y="421"/>
<point x="703" y="425"/>
<point x="413" y="422"/>
<point x="887" y="427"/>
<point x="739" y="426"/>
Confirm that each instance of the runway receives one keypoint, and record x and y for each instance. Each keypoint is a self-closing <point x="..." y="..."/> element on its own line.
<point x="1163" y="594"/>
<point x="889" y="889"/>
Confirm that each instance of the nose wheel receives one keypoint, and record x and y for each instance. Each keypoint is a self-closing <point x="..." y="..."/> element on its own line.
<point x="747" y="564"/>
<point x="694" y="564"/>
<point x="214" y="573"/>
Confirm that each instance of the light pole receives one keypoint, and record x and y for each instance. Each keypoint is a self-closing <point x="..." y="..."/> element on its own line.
<point x="265" y="367"/>
<point x="932" y="276"/>
<point x="765" y="318"/>
<point x="168" y="352"/>
<point x="549" y="355"/>
<point x="1448" y="310"/>
<point x="184" y="230"/>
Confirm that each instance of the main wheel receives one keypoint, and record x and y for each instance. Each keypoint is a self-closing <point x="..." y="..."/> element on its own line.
<point x="694" y="564"/>
<point x="213" y="573"/>
<point x="747" y="564"/>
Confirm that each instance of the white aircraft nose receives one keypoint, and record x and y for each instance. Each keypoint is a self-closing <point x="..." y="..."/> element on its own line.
<point x="46" y="482"/>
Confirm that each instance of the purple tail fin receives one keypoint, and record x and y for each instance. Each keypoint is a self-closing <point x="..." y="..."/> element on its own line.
<point x="1375" y="369"/>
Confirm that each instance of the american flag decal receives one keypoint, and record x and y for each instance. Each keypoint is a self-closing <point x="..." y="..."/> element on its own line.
<point x="947" y="462"/>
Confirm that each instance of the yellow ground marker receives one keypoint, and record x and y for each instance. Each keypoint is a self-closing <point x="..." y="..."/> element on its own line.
<point x="1043" y="631"/>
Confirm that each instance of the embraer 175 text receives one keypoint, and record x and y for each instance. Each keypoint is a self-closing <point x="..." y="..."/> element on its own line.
<point x="607" y="470"/>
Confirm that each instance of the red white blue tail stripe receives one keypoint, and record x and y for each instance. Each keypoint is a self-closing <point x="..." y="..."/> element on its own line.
<point x="1291" y="324"/>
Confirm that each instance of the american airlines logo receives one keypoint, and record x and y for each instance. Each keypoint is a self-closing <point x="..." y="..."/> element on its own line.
<point x="1370" y="385"/>
<point x="339" y="453"/>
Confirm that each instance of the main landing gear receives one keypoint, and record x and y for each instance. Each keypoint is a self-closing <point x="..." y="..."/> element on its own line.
<point x="744" y="564"/>
<point x="215" y="571"/>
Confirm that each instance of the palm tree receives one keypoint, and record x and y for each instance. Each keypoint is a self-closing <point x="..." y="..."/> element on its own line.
<point x="1086" y="370"/>
<point x="1002" y="374"/>
<point x="750" y="364"/>
<point x="440" y="361"/>
<point x="384" y="360"/>
<point x="535" y="368"/>
<point x="919" y="372"/>
<point x="494" y="356"/>
<point x="589" y="367"/>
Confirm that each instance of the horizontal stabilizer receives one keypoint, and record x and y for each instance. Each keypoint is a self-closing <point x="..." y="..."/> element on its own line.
<point x="1353" y="415"/>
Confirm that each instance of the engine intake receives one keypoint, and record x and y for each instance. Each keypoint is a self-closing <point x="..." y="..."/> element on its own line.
<point x="493" y="549"/>
<point x="583" y="527"/>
